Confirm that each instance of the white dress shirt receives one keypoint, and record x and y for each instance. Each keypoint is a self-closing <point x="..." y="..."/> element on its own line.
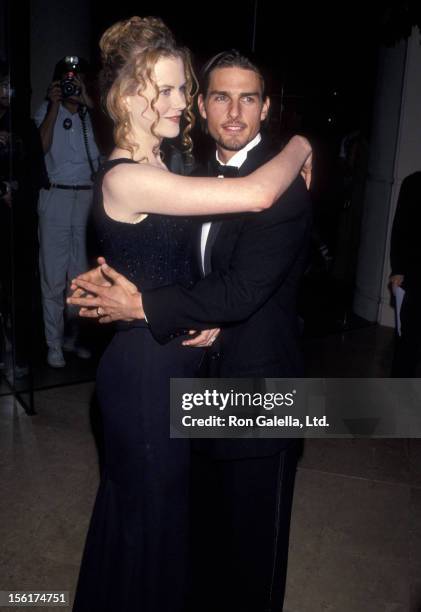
<point x="237" y="161"/>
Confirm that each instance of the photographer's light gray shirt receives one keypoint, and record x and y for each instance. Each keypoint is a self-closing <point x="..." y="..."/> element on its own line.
<point x="67" y="160"/>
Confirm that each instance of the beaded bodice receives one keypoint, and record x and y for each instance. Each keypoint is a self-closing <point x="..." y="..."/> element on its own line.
<point x="158" y="251"/>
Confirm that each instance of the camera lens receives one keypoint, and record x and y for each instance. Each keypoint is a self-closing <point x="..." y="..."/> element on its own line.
<point x="68" y="86"/>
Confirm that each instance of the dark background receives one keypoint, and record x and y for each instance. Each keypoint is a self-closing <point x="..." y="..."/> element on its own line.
<point x="320" y="58"/>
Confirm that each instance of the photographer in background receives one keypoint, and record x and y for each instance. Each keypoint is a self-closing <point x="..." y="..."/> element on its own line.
<point x="71" y="157"/>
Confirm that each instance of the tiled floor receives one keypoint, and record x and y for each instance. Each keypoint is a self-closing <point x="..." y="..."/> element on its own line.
<point x="365" y="352"/>
<point x="356" y="523"/>
<point x="355" y="528"/>
<point x="48" y="480"/>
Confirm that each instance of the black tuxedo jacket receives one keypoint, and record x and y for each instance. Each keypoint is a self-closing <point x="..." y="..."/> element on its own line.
<point x="257" y="261"/>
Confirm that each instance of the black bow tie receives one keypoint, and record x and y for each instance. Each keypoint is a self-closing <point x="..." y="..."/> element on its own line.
<point x="226" y="171"/>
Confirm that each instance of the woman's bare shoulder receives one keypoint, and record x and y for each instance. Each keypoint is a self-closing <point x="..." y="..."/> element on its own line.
<point x="130" y="176"/>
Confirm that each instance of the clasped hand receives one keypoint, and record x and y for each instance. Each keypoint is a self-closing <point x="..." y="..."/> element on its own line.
<point x="104" y="294"/>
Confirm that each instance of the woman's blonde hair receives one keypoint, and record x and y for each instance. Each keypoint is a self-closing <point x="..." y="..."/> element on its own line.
<point x="130" y="50"/>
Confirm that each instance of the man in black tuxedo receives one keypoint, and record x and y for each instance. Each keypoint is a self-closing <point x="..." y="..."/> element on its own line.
<point x="252" y="265"/>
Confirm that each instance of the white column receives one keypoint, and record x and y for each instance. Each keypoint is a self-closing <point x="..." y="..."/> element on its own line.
<point x="375" y="221"/>
<point x="395" y="152"/>
<point x="408" y="154"/>
<point x="57" y="29"/>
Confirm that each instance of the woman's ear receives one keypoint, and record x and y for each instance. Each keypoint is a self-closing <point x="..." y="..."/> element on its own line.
<point x="127" y="103"/>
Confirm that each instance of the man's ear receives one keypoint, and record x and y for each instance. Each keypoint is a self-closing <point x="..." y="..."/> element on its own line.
<point x="265" y="108"/>
<point x="201" y="105"/>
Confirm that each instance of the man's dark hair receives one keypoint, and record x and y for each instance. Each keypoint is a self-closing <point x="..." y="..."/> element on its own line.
<point x="71" y="62"/>
<point x="229" y="59"/>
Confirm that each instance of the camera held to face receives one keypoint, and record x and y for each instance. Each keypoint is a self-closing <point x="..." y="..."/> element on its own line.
<point x="69" y="87"/>
<point x="68" y="70"/>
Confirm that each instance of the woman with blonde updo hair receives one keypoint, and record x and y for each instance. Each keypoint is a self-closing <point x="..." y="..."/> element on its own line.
<point x="136" y="557"/>
<point x="130" y="50"/>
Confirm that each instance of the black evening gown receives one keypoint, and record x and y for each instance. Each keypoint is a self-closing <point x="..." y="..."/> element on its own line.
<point x="136" y="552"/>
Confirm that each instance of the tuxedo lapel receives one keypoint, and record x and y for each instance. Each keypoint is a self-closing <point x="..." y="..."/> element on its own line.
<point x="257" y="156"/>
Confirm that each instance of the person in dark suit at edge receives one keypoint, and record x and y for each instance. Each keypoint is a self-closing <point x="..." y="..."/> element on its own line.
<point x="252" y="264"/>
<point x="405" y="260"/>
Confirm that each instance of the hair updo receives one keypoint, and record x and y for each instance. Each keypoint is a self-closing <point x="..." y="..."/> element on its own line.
<point x="130" y="50"/>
